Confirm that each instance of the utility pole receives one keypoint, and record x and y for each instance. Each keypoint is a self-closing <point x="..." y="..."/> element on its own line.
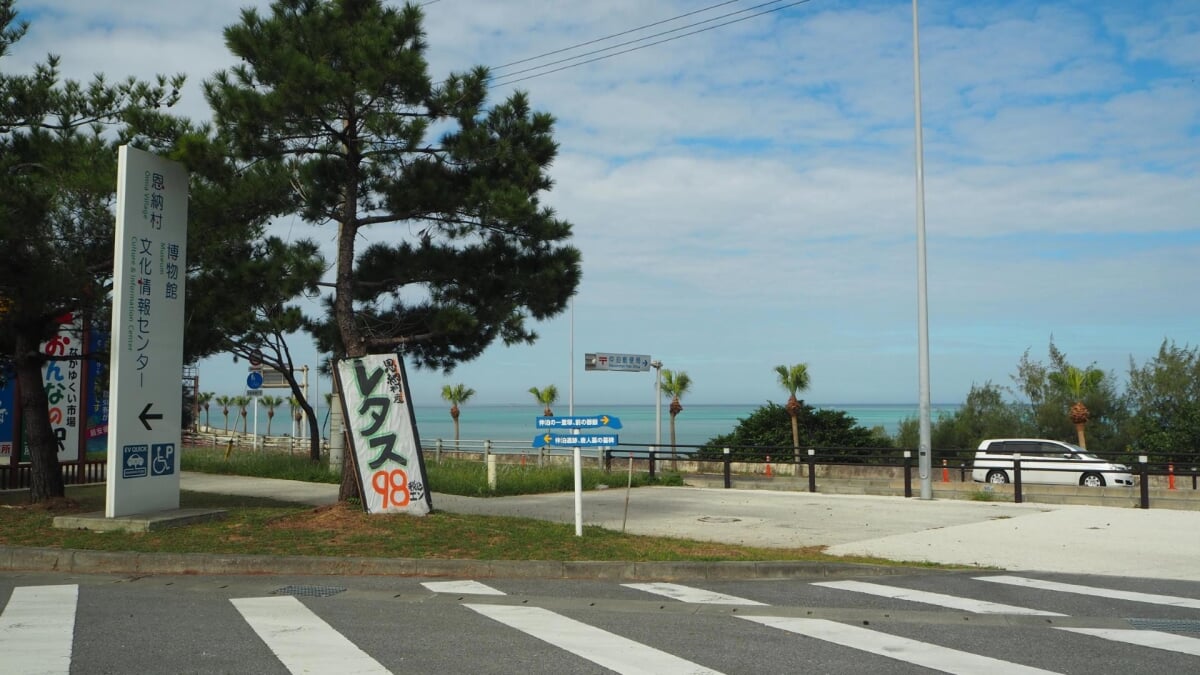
<point x="657" y="365"/>
<point x="924" y="449"/>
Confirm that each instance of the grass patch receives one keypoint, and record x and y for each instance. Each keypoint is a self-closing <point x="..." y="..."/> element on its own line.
<point x="450" y="476"/>
<point x="461" y="477"/>
<point x="268" y="527"/>
<point x="258" y="464"/>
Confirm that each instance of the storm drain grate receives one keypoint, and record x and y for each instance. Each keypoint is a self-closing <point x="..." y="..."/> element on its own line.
<point x="308" y="591"/>
<point x="1170" y="625"/>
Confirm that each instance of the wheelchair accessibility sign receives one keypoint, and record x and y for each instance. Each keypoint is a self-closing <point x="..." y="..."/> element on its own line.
<point x="135" y="461"/>
<point x="139" y="461"/>
<point x="162" y="459"/>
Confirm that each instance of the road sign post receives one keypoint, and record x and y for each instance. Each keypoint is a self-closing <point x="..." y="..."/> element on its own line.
<point x="149" y="268"/>
<point x="605" y="361"/>
<point x="254" y="382"/>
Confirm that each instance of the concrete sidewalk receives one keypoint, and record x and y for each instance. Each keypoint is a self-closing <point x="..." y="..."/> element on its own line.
<point x="1156" y="543"/>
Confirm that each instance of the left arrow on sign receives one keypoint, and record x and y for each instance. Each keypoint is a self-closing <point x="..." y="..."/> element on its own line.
<point x="146" y="416"/>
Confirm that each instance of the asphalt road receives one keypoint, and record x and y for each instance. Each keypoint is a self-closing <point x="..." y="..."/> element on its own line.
<point x="950" y="621"/>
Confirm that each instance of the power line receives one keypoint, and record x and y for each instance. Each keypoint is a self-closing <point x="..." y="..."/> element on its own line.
<point x="633" y="49"/>
<point x="641" y="39"/>
<point x="609" y="37"/>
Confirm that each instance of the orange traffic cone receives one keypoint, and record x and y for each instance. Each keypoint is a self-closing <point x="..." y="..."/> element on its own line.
<point x="945" y="472"/>
<point x="769" y="474"/>
<point x="1170" y="476"/>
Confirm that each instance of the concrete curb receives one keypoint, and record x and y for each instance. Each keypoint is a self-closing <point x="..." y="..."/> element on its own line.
<point x="24" y="559"/>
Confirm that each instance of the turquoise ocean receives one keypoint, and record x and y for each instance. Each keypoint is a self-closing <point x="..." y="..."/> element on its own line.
<point x="695" y="425"/>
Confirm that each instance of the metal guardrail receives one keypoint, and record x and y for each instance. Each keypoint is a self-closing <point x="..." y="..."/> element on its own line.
<point x="16" y="477"/>
<point x="522" y="449"/>
<point x="811" y="458"/>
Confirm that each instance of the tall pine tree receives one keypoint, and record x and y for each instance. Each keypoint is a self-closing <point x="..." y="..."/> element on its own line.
<point x="467" y="254"/>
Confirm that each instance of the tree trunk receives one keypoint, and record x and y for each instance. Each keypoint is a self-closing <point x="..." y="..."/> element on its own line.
<point x="796" y="440"/>
<point x="674" y="457"/>
<point x="343" y="297"/>
<point x="1079" y="433"/>
<point x="348" y="489"/>
<point x="314" y="429"/>
<point x="45" y="476"/>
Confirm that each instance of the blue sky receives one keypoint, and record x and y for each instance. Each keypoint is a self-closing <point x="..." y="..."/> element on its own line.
<point x="744" y="197"/>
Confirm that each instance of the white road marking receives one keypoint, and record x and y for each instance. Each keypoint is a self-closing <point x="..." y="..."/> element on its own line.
<point x="692" y="595"/>
<point x="461" y="587"/>
<point x="37" y="629"/>
<point x="929" y="598"/>
<point x="301" y="640"/>
<point x="894" y="647"/>
<point x="598" y="646"/>
<point x="1151" y="598"/>
<point x="1144" y="638"/>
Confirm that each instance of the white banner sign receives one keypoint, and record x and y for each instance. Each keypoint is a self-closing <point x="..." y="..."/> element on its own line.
<point x="146" y="366"/>
<point x="64" y="380"/>
<point x="383" y="434"/>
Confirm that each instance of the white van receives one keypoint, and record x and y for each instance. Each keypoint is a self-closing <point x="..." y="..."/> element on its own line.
<point x="1042" y="461"/>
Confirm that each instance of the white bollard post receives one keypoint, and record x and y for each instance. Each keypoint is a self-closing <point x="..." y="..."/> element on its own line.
<point x="491" y="471"/>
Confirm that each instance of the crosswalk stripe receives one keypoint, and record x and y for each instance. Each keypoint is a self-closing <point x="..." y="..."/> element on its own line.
<point x="37" y="629"/>
<point x="1150" y="598"/>
<point x="301" y="640"/>
<point x="1143" y="638"/>
<point x="894" y="647"/>
<point x="598" y="646"/>
<point x="461" y="587"/>
<point x="692" y="595"/>
<point x="930" y="598"/>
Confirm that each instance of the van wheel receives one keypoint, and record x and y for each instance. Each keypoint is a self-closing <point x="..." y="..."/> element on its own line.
<point x="1092" y="480"/>
<point x="997" y="477"/>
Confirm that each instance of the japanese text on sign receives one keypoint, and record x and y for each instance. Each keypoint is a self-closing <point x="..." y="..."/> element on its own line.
<point x="157" y="268"/>
<point x="383" y="434"/>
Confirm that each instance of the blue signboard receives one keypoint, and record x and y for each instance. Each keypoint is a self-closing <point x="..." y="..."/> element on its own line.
<point x="162" y="459"/>
<point x="594" y="421"/>
<point x="255" y="379"/>
<point x="8" y="411"/>
<point x="135" y="460"/>
<point x="576" y="440"/>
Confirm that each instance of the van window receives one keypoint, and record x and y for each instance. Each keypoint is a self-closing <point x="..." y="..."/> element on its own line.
<point x="1055" y="450"/>
<point x="1024" y="448"/>
<point x="998" y="448"/>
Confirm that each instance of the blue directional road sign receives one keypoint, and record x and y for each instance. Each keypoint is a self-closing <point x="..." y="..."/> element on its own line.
<point x="576" y="440"/>
<point x="594" y="421"/>
<point x="255" y="379"/>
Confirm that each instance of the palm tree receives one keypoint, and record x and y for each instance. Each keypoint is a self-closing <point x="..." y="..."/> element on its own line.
<point x="271" y="402"/>
<point x="674" y="386"/>
<point x="242" y="402"/>
<point x="204" y="399"/>
<point x="1078" y="383"/>
<point x="296" y="410"/>
<point x="454" y="395"/>
<point x="225" y="402"/>
<point x="546" y="397"/>
<point x="794" y="379"/>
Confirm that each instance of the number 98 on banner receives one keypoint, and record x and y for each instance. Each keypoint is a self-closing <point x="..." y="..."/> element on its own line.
<point x="392" y="486"/>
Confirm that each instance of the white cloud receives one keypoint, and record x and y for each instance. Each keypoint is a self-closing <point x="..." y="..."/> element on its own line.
<point x="744" y="197"/>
